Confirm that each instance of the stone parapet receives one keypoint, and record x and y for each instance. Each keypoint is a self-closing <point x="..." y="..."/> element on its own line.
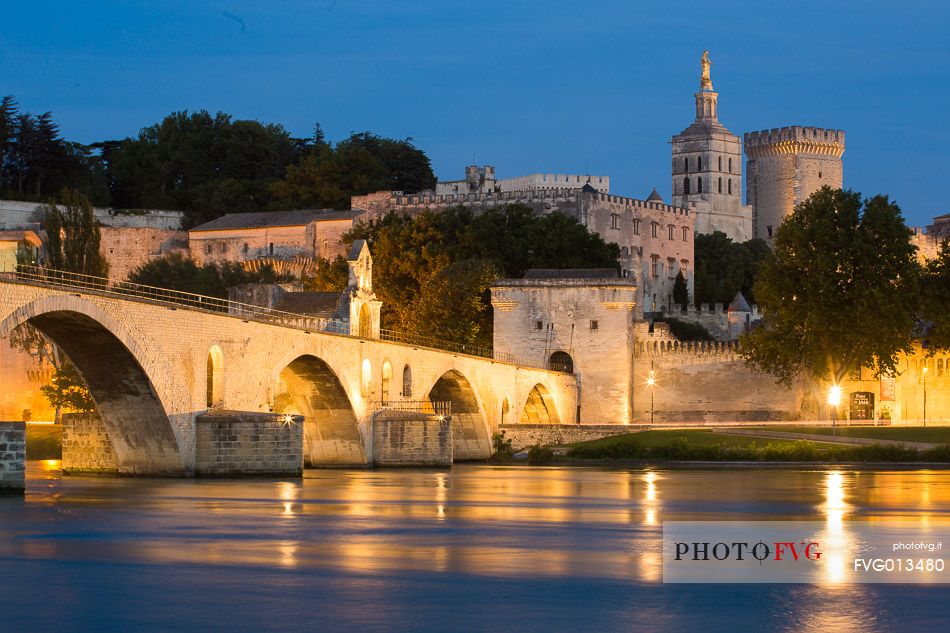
<point x="405" y="438"/>
<point x="240" y="443"/>
<point x="12" y="457"/>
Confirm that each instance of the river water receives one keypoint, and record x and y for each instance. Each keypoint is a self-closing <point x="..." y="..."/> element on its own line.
<point x="475" y="548"/>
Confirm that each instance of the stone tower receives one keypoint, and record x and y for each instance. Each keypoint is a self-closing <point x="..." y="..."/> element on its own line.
<point x="786" y="165"/>
<point x="707" y="168"/>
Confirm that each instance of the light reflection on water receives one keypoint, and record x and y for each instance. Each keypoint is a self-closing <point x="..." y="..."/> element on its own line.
<point x="459" y="539"/>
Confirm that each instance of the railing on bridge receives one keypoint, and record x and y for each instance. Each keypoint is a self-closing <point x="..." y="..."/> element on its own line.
<point x="415" y="406"/>
<point x="245" y="311"/>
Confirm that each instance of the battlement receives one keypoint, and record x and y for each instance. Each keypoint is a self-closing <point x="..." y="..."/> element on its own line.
<point x="794" y="139"/>
<point x="528" y="196"/>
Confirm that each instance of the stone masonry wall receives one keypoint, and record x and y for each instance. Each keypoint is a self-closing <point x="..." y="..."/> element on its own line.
<point x="523" y="436"/>
<point x="411" y="439"/>
<point x="86" y="445"/>
<point x="232" y="443"/>
<point x="12" y="457"/>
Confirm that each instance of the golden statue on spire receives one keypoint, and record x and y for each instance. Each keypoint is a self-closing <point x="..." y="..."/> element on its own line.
<point x="705" y="83"/>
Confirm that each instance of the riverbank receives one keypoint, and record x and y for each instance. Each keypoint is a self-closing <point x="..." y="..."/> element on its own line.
<point x="704" y="447"/>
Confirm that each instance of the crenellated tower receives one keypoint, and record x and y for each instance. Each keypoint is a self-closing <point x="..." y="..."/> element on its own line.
<point x="707" y="167"/>
<point x="786" y="165"/>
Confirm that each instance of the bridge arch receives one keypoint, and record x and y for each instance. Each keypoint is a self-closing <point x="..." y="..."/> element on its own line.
<point x="540" y="407"/>
<point x="470" y="430"/>
<point x="119" y="375"/>
<point x="308" y="386"/>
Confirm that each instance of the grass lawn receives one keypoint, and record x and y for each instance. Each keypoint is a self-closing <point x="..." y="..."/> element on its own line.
<point x="704" y="445"/>
<point x="44" y="441"/>
<point x="930" y="434"/>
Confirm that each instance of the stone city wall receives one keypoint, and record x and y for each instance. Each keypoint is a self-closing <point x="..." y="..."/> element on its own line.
<point x="86" y="445"/>
<point x="230" y="443"/>
<point x="523" y="436"/>
<point x="12" y="457"/>
<point x="402" y="438"/>
<point x="17" y="214"/>
<point x="127" y="248"/>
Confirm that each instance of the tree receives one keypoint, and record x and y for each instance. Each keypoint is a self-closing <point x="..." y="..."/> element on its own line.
<point x="176" y="272"/>
<point x="73" y="236"/>
<point x="935" y="299"/>
<point x="723" y="268"/>
<point x="433" y="270"/>
<point x="329" y="276"/>
<point x="680" y="291"/>
<point x="68" y="390"/>
<point x="840" y="292"/>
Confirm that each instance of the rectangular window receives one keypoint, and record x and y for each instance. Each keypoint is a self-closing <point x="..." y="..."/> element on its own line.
<point x="636" y="227"/>
<point x="538" y="325"/>
<point x="671" y="267"/>
<point x="593" y="324"/>
<point x="655" y="228"/>
<point x="670" y="232"/>
<point x="655" y="265"/>
<point x="769" y="229"/>
<point x="209" y="248"/>
<point x="614" y="221"/>
<point x="247" y="247"/>
<point x="685" y="234"/>
<point x="271" y="248"/>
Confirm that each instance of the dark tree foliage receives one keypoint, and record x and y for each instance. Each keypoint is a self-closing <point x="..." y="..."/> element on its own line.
<point x="327" y="176"/>
<point x="433" y="271"/>
<point x="175" y="272"/>
<point x="840" y="292"/>
<point x="329" y="276"/>
<point x="723" y="268"/>
<point x="680" y="291"/>
<point x="935" y="300"/>
<point x="203" y="164"/>
<point x="72" y="236"/>
<point x="35" y="160"/>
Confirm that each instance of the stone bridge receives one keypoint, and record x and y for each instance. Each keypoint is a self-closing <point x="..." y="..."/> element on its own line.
<point x="153" y="367"/>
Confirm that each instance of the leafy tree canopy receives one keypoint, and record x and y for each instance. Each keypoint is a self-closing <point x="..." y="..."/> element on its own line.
<point x="935" y="299"/>
<point x="723" y="267"/>
<point x="72" y="236"/>
<point x="839" y="293"/>
<point x="176" y="272"/>
<point x="433" y="271"/>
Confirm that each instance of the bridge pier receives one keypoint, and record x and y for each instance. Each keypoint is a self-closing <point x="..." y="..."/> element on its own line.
<point x="12" y="458"/>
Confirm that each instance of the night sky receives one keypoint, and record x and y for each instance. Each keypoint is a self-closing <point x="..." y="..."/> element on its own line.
<point x="554" y="86"/>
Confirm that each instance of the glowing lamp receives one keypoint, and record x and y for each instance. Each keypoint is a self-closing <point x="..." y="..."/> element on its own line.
<point x="834" y="396"/>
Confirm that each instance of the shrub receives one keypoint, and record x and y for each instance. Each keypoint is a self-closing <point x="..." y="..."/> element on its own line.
<point x="540" y="455"/>
<point x="502" y="445"/>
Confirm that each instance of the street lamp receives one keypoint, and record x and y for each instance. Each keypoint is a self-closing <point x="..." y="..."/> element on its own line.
<point x="925" y="393"/>
<point x="651" y="381"/>
<point x="834" y="399"/>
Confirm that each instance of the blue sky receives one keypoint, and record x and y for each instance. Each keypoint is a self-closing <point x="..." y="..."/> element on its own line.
<point x="526" y="86"/>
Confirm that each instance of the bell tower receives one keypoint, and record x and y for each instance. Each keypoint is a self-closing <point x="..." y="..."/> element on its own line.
<point x="707" y="167"/>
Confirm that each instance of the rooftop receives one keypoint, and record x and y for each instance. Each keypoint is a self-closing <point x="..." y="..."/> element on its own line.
<point x="266" y="219"/>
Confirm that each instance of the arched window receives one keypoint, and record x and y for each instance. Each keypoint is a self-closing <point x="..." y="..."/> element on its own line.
<point x="385" y="378"/>
<point x="699" y="184"/>
<point x="561" y="361"/>
<point x="406" y="382"/>
<point x="686" y="186"/>
<point x="505" y="407"/>
<point x="940" y="367"/>
<point x="215" y="377"/>
<point x="699" y="163"/>
<point x="686" y="164"/>
<point x="720" y="184"/>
